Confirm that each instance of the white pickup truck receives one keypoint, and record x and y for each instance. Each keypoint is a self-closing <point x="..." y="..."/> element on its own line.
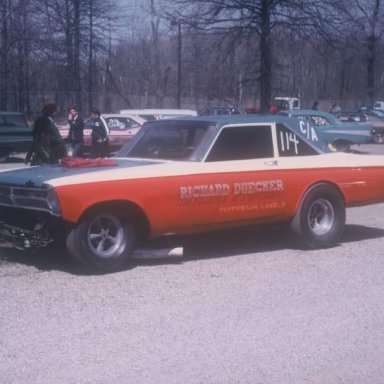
<point x="284" y="103"/>
<point x="379" y="105"/>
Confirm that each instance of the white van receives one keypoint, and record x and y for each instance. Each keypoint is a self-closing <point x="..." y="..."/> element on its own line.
<point x="156" y="114"/>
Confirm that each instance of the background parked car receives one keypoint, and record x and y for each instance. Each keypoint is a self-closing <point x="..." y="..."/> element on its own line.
<point x="15" y="134"/>
<point x="121" y="129"/>
<point x="334" y="131"/>
<point x="157" y="114"/>
<point x="375" y="118"/>
<point x="350" y="116"/>
<point x="210" y="111"/>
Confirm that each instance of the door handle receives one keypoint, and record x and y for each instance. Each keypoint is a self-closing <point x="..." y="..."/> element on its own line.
<point x="271" y="163"/>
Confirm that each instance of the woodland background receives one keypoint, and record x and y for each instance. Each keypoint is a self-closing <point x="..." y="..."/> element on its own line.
<point x="118" y="54"/>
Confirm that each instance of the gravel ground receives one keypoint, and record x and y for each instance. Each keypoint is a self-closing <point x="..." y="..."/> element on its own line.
<point x="241" y="307"/>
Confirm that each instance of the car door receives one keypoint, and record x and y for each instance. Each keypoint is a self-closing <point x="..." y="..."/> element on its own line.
<point x="238" y="181"/>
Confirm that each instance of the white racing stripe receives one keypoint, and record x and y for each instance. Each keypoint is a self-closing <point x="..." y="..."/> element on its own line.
<point x="168" y="169"/>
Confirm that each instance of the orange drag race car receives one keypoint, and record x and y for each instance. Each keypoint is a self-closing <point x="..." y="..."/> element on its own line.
<point x="189" y="175"/>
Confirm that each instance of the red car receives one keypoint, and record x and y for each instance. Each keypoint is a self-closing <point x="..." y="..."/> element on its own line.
<point x="121" y="128"/>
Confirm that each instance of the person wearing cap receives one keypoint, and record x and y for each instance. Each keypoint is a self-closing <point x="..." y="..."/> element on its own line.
<point x="100" y="131"/>
<point x="48" y="146"/>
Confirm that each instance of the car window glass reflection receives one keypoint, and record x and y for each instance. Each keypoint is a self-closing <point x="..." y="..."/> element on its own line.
<point x="242" y="143"/>
<point x="168" y="141"/>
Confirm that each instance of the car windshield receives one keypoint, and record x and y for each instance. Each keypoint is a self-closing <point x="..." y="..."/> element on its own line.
<point x="15" y="120"/>
<point x="168" y="140"/>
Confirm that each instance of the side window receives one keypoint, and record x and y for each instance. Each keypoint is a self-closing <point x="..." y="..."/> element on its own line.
<point x="115" y="124"/>
<point x="319" y="121"/>
<point x="121" y="123"/>
<point x="290" y="144"/>
<point x="242" y="143"/>
<point x="129" y="123"/>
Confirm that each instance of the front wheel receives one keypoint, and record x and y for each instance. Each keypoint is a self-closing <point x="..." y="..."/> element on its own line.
<point x="319" y="222"/>
<point x="102" y="242"/>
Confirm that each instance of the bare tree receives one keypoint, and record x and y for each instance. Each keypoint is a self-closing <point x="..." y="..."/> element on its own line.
<point x="5" y="46"/>
<point x="237" y="52"/>
<point x="363" y="24"/>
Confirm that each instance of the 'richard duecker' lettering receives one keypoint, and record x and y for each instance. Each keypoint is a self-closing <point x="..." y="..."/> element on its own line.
<point x="224" y="189"/>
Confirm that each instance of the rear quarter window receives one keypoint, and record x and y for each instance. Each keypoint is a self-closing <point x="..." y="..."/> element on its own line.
<point x="290" y="144"/>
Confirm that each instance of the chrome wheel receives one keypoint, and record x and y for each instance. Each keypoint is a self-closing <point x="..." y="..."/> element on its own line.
<point x="319" y="221"/>
<point x="321" y="217"/>
<point x="105" y="235"/>
<point x="103" y="241"/>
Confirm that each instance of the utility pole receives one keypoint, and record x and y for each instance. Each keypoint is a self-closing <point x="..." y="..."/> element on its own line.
<point x="179" y="47"/>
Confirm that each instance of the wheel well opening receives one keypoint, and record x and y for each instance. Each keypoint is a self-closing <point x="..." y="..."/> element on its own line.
<point x="123" y="210"/>
<point x="319" y="184"/>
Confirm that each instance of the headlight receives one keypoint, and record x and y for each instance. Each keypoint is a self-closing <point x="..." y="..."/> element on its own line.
<point x="53" y="201"/>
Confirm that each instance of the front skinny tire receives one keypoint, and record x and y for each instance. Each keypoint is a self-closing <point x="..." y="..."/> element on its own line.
<point x="102" y="242"/>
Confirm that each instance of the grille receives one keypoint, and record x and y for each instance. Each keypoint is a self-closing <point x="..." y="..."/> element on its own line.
<point x="21" y="197"/>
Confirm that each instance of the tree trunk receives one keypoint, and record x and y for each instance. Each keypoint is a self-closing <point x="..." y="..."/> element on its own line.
<point x="265" y="57"/>
<point x="4" y="55"/>
<point x="76" y="56"/>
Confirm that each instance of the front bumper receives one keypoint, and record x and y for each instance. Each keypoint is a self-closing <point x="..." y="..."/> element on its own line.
<point x="27" y="229"/>
<point x="21" y="238"/>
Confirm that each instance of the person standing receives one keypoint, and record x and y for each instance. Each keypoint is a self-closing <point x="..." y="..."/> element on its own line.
<point x="100" y="132"/>
<point x="335" y="108"/>
<point x="315" y="105"/>
<point x="76" y="132"/>
<point x="48" y="146"/>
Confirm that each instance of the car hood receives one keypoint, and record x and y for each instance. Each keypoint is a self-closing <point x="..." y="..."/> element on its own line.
<point x="37" y="176"/>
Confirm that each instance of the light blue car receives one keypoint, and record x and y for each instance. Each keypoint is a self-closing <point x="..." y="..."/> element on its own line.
<point x="341" y="135"/>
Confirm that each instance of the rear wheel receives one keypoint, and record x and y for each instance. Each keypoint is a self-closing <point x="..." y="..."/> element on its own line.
<point x="342" y="145"/>
<point x="103" y="242"/>
<point x="378" y="137"/>
<point x="319" y="222"/>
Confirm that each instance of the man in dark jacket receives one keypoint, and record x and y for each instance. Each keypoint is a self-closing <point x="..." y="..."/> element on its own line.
<point x="76" y="132"/>
<point x="100" y="131"/>
<point x="48" y="146"/>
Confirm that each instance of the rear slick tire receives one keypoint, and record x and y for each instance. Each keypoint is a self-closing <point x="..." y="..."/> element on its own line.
<point x="102" y="242"/>
<point x="320" y="219"/>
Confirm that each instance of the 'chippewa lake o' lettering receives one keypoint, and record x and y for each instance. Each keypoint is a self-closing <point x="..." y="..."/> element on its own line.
<point x="224" y="189"/>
